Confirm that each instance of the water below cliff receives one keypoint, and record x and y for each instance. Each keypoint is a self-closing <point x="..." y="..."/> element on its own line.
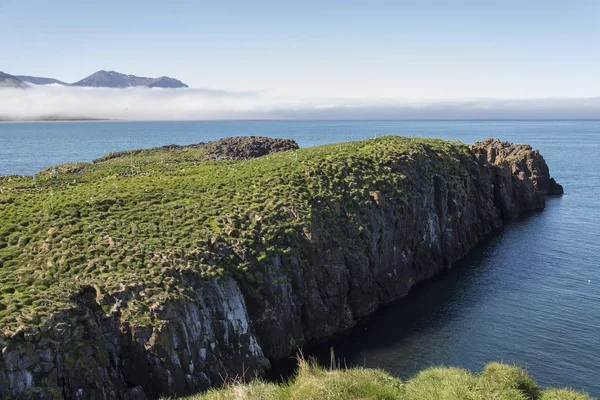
<point x="523" y="296"/>
<point x="529" y="295"/>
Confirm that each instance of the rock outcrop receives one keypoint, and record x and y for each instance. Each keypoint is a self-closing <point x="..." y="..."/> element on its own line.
<point x="344" y="268"/>
<point x="521" y="176"/>
<point x="234" y="148"/>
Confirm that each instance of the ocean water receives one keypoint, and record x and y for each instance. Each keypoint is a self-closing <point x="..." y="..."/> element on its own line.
<point x="529" y="295"/>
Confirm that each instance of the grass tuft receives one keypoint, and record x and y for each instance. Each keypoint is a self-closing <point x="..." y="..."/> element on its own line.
<point x="564" y="394"/>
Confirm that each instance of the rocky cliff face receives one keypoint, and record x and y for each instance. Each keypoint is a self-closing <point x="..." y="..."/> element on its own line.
<point x="345" y="267"/>
<point x="520" y="176"/>
<point x="86" y="355"/>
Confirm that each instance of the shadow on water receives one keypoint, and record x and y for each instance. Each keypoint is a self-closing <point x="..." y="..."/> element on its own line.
<point x="429" y="305"/>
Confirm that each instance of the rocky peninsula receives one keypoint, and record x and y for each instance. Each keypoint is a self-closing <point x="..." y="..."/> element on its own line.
<point x="157" y="272"/>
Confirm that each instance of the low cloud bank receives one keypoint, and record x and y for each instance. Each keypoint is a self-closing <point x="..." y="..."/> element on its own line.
<point x="58" y="102"/>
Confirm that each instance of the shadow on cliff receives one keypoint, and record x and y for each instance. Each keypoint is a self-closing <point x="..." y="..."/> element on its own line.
<point x="430" y="304"/>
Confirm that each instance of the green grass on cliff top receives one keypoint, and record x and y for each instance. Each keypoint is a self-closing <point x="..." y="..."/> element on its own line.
<point x="496" y="382"/>
<point x="144" y="229"/>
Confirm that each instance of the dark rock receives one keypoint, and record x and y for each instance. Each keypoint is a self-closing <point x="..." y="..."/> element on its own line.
<point x="555" y="188"/>
<point x="246" y="147"/>
<point x="235" y="148"/>
<point x="521" y="176"/>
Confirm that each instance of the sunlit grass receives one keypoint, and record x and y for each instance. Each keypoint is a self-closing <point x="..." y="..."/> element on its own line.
<point x="311" y="382"/>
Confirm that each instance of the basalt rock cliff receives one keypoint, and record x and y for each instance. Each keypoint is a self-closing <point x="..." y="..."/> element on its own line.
<point x="520" y="174"/>
<point x="363" y="242"/>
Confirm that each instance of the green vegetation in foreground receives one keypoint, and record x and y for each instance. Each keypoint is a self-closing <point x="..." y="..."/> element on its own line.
<point x="497" y="381"/>
<point x="149" y="227"/>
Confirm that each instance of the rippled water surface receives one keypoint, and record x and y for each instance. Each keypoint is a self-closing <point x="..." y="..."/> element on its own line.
<point x="529" y="295"/>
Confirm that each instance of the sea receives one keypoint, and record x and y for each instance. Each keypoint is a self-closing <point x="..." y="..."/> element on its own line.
<point x="528" y="295"/>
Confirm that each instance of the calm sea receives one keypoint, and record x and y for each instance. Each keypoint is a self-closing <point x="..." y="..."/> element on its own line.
<point x="529" y="295"/>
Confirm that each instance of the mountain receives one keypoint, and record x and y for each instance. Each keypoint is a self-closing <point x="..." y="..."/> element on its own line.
<point x="7" y="80"/>
<point x="112" y="79"/>
<point x="166" y="82"/>
<point x="40" y="81"/>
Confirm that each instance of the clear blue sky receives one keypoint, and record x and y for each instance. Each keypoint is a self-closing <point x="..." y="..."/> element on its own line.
<point x="374" y="49"/>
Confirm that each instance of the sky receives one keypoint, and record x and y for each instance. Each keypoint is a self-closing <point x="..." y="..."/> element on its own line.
<point x="364" y="52"/>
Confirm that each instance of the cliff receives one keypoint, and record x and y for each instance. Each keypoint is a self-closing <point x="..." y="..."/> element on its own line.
<point x="161" y="271"/>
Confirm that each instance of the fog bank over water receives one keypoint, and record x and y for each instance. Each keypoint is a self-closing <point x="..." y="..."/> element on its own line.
<point x="59" y="102"/>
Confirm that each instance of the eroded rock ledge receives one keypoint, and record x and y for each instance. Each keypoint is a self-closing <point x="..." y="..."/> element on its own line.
<point x="348" y="262"/>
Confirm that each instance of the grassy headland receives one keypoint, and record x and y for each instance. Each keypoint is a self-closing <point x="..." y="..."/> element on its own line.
<point x="141" y="227"/>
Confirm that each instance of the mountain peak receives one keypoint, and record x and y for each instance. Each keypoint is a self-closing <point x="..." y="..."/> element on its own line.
<point x="114" y="79"/>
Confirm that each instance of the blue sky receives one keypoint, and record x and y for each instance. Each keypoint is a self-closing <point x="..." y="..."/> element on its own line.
<point x="357" y="50"/>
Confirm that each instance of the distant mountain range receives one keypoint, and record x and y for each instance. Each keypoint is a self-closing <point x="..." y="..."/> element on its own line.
<point x="114" y="79"/>
<point x="108" y="79"/>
